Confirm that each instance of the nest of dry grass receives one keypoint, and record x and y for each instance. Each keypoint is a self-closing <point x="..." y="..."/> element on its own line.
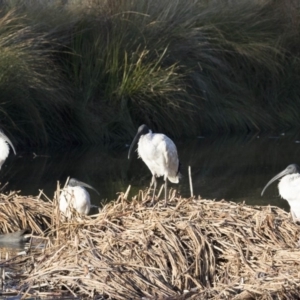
<point x="191" y="249"/>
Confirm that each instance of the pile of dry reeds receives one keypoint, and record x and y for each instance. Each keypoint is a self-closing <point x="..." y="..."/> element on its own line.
<point x="191" y="249"/>
<point x="19" y="212"/>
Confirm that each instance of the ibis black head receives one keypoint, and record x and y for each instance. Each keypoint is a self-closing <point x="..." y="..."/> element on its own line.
<point x="290" y="169"/>
<point x="142" y="130"/>
<point x="74" y="182"/>
<point x="6" y="139"/>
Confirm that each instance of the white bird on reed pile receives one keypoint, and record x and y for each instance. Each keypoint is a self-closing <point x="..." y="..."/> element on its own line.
<point x="159" y="153"/>
<point x="74" y="195"/>
<point x="4" y="149"/>
<point x="289" y="188"/>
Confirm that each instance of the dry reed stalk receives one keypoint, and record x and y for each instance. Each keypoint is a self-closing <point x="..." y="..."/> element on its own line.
<point x="191" y="249"/>
<point x="191" y="181"/>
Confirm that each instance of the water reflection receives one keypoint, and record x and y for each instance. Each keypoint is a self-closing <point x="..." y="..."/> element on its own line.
<point x="234" y="168"/>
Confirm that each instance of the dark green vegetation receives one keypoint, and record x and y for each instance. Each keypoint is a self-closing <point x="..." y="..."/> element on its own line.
<point x="92" y="71"/>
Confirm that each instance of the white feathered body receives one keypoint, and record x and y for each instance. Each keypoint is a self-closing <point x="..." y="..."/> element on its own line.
<point x="289" y="189"/>
<point x="76" y="197"/>
<point x="4" y="151"/>
<point x="160" y="155"/>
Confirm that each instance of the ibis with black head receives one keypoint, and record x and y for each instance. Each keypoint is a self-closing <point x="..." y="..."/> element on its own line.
<point x="75" y="196"/>
<point x="289" y="188"/>
<point x="159" y="153"/>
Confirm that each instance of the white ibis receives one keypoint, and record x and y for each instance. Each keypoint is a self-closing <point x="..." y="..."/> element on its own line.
<point x="4" y="149"/>
<point x="289" y="188"/>
<point x="159" y="153"/>
<point x="74" y="195"/>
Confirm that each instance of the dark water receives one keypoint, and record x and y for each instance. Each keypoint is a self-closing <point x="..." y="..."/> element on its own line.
<point x="234" y="168"/>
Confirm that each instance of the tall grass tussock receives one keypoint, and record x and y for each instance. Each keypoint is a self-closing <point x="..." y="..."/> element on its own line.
<point x="92" y="71"/>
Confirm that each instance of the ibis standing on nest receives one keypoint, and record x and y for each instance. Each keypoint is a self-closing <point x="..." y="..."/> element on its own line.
<point x="289" y="188"/>
<point x="4" y="149"/>
<point x="159" y="153"/>
<point x="74" y="195"/>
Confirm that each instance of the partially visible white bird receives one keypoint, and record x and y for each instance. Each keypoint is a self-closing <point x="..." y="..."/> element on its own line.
<point x="75" y="196"/>
<point x="289" y="188"/>
<point x="159" y="153"/>
<point x="4" y="149"/>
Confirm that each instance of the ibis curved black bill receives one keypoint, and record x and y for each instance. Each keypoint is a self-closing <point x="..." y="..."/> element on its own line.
<point x="8" y="141"/>
<point x="74" y="182"/>
<point x="143" y="129"/>
<point x="135" y="140"/>
<point x="290" y="169"/>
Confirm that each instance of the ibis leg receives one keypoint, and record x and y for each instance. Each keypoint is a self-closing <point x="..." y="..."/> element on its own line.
<point x="153" y="182"/>
<point x="166" y="192"/>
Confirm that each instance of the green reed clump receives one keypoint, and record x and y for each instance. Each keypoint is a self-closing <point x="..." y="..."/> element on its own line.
<point x="32" y="105"/>
<point x="189" y="67"/>
<point x="92" y="71"/>
<point x="121" y="77"/>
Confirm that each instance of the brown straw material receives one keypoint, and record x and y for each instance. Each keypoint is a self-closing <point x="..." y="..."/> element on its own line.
<point x="191" y="249"/>
<point x="20" y="212"/>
